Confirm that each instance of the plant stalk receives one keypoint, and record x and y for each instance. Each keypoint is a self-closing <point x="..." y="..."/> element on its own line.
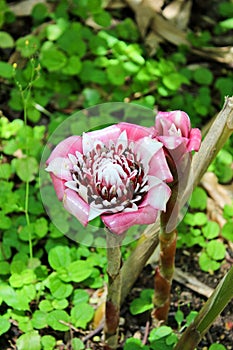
<point x="207" y="315"/>
<point x="112" y="310"/>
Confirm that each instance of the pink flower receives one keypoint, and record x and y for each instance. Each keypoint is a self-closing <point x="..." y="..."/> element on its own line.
<point x="118" y="173"/>
<point x="174" y="131"/>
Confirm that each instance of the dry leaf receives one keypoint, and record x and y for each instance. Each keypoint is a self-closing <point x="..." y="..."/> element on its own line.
<point x="216" y="191"/>
<point x="178" y="12"/>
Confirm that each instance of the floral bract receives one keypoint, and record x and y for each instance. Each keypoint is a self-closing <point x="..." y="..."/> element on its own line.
<point x="118" y="173"/>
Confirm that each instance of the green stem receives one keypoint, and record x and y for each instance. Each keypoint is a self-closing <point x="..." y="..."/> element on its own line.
<point x="112" y="311"/>
<point x="207" y="315"/>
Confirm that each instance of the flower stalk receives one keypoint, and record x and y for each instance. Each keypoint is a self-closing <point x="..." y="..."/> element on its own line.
<point x="112" y="309"/>
<point x="164" y="272"/>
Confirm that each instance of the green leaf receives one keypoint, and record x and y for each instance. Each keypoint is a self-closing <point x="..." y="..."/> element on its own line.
<point x="39" y="319"/>
<point x="45" y="305"/>
<point x="59" y="289"/>
<point x="6" y="40"/>
<point x="54" y="318"/>
<point x="5" y="325"/>
<point x="133" y="344"/>
<point x="80" y="296"/>
<point x="217" y="346"/>
<point x="79" y="270"/>
<point x="60" y="304"/>
<point x="77" y="344"/>
<point x="39" y="12"/>
<point x="59" y="256"/>
<point x="227" y="231"/>
<point x="26" y="168"/>
<point x="173" y="81"/>
<point x="216" y="250"/>
<point x="103" y="18"/>
<point x="6" y="70"/>
<point x="54" y="31"/>
<point x="48" y="342"/>
<point x="81" y="314"/>
<point x="4" y="269"/>
<point x="5" y="221"/>
<point x="30" y="340"/>
<point x="53" y="59"/>
<point x="207" y="264"/>
<point x="211" y="230"/>
<point x="200" y="219"/>
<point x="41" y="227"/>
<point x="115" y="72"/>
<point x="158" y="333"/>
<point x="73" y="66"/>
<point x="28" y="45"/>
<point x="199" y="199"/>
<point x="203" y="76"/>
<point x="140" y="305"/>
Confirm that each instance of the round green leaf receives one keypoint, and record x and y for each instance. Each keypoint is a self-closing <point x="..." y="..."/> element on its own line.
<point x="73" y="66"/>
<point x="60" y="304"/>
<point x="59" y="289"/>
<point x="39" y="319"/>
<point x="48" y="342"/>
<point x="81" y="314"/>
<point x="80" y="296"/>
<point x="4" y="269"/>
<point x="59" y="256"/>
<point x="53" y="59"/>
<point x="199" y="199"/>
<point x="77" y="344"/>
<point x="207" y="264"/>
<point x="203" y="76"/>
<point x="79" y="270"/>
<point x="217" y="346"/>
<point x="26" y="168"/>
<point x="211" y="230"/>
<point x="5" y="221"/>
<point x="216" y="250"/>
<point x="6" y="40"/>
<point x="140" y="305"/>
<point x="54" y="318"/>
<point x="227" y="231"/>
<point x="6" y="70"/>
<point x="30" y="340"/>
<point x="28" y="45"/>
<point x="4" y="325"/>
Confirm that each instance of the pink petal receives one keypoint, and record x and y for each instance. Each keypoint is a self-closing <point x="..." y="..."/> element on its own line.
<point x="135" y="132"/>
<point x="159" y="167"/>
<point x="119" y="223"/>
<point x="59" y="186"/>
<point x="69" y="145"/>
<point x="194" y="140"/>
<point x="157" y="195"/>
<point x="76" y="206"/>
<point x="179" y="118"/>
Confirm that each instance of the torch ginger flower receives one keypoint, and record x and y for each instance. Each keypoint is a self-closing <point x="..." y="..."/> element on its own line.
<point x="118" y="173"/>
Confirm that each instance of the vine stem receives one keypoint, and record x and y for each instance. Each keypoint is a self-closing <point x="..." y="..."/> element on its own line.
<point x="112" y="310"/>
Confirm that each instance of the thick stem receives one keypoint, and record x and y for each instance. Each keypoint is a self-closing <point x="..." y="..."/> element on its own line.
<point x="207" y="315"/>
<point x="112" y="311"/>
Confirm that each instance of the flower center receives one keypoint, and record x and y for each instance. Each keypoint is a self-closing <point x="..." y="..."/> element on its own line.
<point x="111" y="178"/>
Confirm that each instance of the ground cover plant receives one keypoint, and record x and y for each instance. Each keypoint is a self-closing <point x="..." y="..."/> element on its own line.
<point x="52" y="289"/>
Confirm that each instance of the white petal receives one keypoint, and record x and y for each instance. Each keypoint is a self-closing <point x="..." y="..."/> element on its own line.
<point x="72" y="158"/>
<point x="122" y="141"/>
<point x="146" y="148"/>
<point x="72" y="185"/>
<point x="88" y="143"/>
<point x="60" y="167"/>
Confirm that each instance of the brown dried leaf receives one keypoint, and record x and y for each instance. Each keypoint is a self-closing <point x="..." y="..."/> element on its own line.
<point x="145" y="11"/>
<point x="215" y="212"/>
<point x="216" y="191"/>
<point x="178" y="12"/>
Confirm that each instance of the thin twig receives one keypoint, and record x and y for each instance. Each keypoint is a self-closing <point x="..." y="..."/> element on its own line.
<point x="147" y="329"/>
